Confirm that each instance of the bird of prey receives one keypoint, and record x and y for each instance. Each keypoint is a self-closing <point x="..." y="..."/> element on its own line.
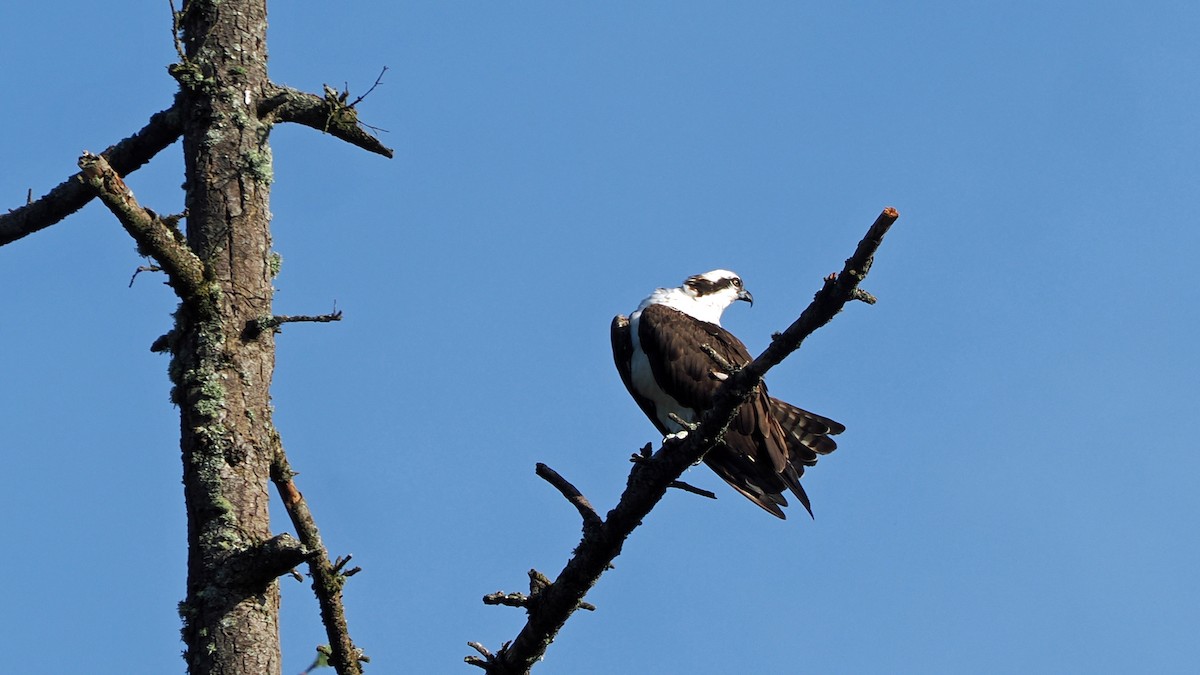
<point x="660" y="352"/>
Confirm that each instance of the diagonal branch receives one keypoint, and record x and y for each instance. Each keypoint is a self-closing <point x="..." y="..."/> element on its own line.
<point x="154" y="236"/>
<point x="649" y="479"/>
<point x="328" y="577"/>
<point x="284" y="104"/>
<point x="71" y="195"/>
<point x="329" y="115"/>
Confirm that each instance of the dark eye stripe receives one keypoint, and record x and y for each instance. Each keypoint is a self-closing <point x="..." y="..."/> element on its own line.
<point x="704" y="286"/>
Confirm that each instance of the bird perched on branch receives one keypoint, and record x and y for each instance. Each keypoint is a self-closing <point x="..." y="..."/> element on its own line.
<point x="673" y="354"/>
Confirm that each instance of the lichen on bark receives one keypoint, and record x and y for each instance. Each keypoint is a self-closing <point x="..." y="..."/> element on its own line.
<point x="232" y="613"/>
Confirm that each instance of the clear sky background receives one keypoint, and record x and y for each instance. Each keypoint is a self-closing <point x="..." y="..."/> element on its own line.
<point x="1015" y="491"/>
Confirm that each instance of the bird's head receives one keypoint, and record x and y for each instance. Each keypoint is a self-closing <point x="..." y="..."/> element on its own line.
<point x="703" y="296"/>
<point x="718" y="288"/>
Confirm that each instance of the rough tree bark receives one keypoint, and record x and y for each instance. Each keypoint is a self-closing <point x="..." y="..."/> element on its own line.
<point x="222" y="345"/>
<point x="222" y="372"/>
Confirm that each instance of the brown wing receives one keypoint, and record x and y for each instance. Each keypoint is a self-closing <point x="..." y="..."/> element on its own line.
<point x="755" y="451"/>
<point x="766" y="446"/>
<point x="673" y="342"/>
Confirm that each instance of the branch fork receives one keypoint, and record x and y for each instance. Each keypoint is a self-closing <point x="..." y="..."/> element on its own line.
<point x="280" y="104"/>
<point x="156" y="237"/>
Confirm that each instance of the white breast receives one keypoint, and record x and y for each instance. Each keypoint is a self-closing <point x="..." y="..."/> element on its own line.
<point x="645" y="385"/>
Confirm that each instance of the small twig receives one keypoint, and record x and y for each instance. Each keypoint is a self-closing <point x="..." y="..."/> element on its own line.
<point x="590" y="517"/>
<point x="680" y="485"/>
<point x="341" y="563"/>
<point x="488" y="658"/>
<point x="506" y="599"/>
<point x="378" y="81"/>
<point x="29" y="197"/>
<point x="280" y="319"/>
<point x="143" y="268"/>
<point x="378" y="130"/>
<point x="538" y="583"/>
<point x="863" y="296"/>
<point x="272" y="323"/>
<point x="645" y="454"/>
<point x="176" y="27"/>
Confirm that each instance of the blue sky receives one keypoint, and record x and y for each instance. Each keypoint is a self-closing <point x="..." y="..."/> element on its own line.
<point x="1014" y="492"/>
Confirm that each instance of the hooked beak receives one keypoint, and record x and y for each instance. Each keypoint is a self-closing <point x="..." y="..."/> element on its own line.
<point x="745" y="295"/>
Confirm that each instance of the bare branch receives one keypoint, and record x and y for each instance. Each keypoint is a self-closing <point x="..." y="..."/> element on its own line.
<point x="143" y="268"/>
<point x="687" y="487"/>
<point x="650" y="478"/>
<point x="125" y="157"/>
<point x="280" y="319"/>
<point x="177" y="30"/>
<point x="834" y="295"/>
<point x="164" y="128"/>
<point x="378" y="81"/>
<point x="328" y="115"/>
<point x="274" y="558"/>
<point x="340" y="564"/>
<point x="486" y="661"/>
<point x="863" y="296"/>
<point x="272" y="323"/>
<point x="327" y="577"/>
<point x="155" y="237"/>
<point x="573" y="495"/>
<point x="507" y="599"/>
<point x="538" y="582"/>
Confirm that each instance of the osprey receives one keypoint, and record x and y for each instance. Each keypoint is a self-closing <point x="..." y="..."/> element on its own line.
<point x="660" y="352"/>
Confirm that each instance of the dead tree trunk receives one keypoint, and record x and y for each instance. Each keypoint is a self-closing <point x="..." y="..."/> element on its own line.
<point x="221" y="369"/>
<point x="222" y="345"/>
